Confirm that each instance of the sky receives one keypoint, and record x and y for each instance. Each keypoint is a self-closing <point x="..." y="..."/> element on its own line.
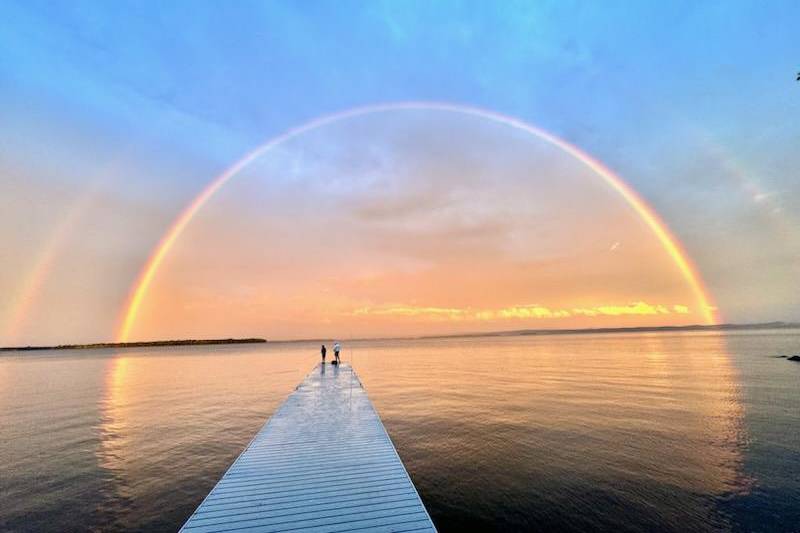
<point x="424" y="219"/>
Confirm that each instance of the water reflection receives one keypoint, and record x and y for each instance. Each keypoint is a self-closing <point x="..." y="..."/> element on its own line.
<point x="171" y="423"/>
<point x="517" y="433"/>
<point x="616" y="433"/>
<point x="48" y="412"/>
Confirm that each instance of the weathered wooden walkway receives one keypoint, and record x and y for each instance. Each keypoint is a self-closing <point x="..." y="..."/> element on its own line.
<point x="322" y="463"/>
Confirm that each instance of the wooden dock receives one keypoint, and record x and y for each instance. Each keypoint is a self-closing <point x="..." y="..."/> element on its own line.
<point x="322" y="463"/>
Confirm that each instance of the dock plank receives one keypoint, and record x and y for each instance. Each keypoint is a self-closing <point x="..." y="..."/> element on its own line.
<point x="323" y="463"/>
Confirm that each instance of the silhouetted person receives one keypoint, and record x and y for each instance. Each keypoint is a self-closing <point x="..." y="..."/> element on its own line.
<point x="336" y="349"/>
<point x="323" y="351"/>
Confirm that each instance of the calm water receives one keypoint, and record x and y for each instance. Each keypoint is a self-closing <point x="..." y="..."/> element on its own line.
<point x="645" y="432"/>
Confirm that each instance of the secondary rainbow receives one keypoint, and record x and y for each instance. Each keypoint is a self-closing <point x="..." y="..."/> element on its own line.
<point x="31" y="288"/>
<point x="669" y="242"/>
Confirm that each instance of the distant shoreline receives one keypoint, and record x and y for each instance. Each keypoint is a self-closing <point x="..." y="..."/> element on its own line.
<point x="145" y="344"/>
<point x="510" y="333"/>
<point x="633" y="329"/>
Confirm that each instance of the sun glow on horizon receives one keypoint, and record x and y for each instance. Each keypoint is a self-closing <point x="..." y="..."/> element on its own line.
<point x="522" y="311"/>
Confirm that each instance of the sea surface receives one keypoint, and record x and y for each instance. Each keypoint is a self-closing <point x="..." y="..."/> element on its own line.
<point x="606" y="432"/>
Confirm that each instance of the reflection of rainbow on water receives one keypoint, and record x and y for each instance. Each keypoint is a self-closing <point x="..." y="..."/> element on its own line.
<point x="692" y="389"/>
<point x="644" y="211"/>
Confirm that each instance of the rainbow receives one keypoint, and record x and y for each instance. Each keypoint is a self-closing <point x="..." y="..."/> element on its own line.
<point x="669" y="242"/>
<point x="31" y="287"/>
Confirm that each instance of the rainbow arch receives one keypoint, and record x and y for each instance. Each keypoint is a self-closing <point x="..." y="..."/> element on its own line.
<point x="646" y="212"/>
<point x="31" y="287"/>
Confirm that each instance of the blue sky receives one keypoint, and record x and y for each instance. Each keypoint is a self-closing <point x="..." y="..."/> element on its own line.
<point x="695" y="104"/>
<point x="237" y="72"/>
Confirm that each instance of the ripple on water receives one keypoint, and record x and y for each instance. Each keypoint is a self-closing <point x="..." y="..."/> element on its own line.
<point x="569" y="433"/>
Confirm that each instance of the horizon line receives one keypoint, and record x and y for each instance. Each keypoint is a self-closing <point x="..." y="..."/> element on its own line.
<point x="774" y="324"/>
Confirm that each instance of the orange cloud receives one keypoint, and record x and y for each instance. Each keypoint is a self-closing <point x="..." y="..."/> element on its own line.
<point x="411" y="311"/>
<point x="519" y="311"/>
<point x="637" y="308"/>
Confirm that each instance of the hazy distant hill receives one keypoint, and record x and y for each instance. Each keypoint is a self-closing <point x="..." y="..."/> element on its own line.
<point x="642" y="329"/>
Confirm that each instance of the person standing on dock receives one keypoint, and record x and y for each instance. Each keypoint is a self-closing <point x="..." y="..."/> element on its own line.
<point x="323" y="351"/>
<point x="336" y="349"/>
